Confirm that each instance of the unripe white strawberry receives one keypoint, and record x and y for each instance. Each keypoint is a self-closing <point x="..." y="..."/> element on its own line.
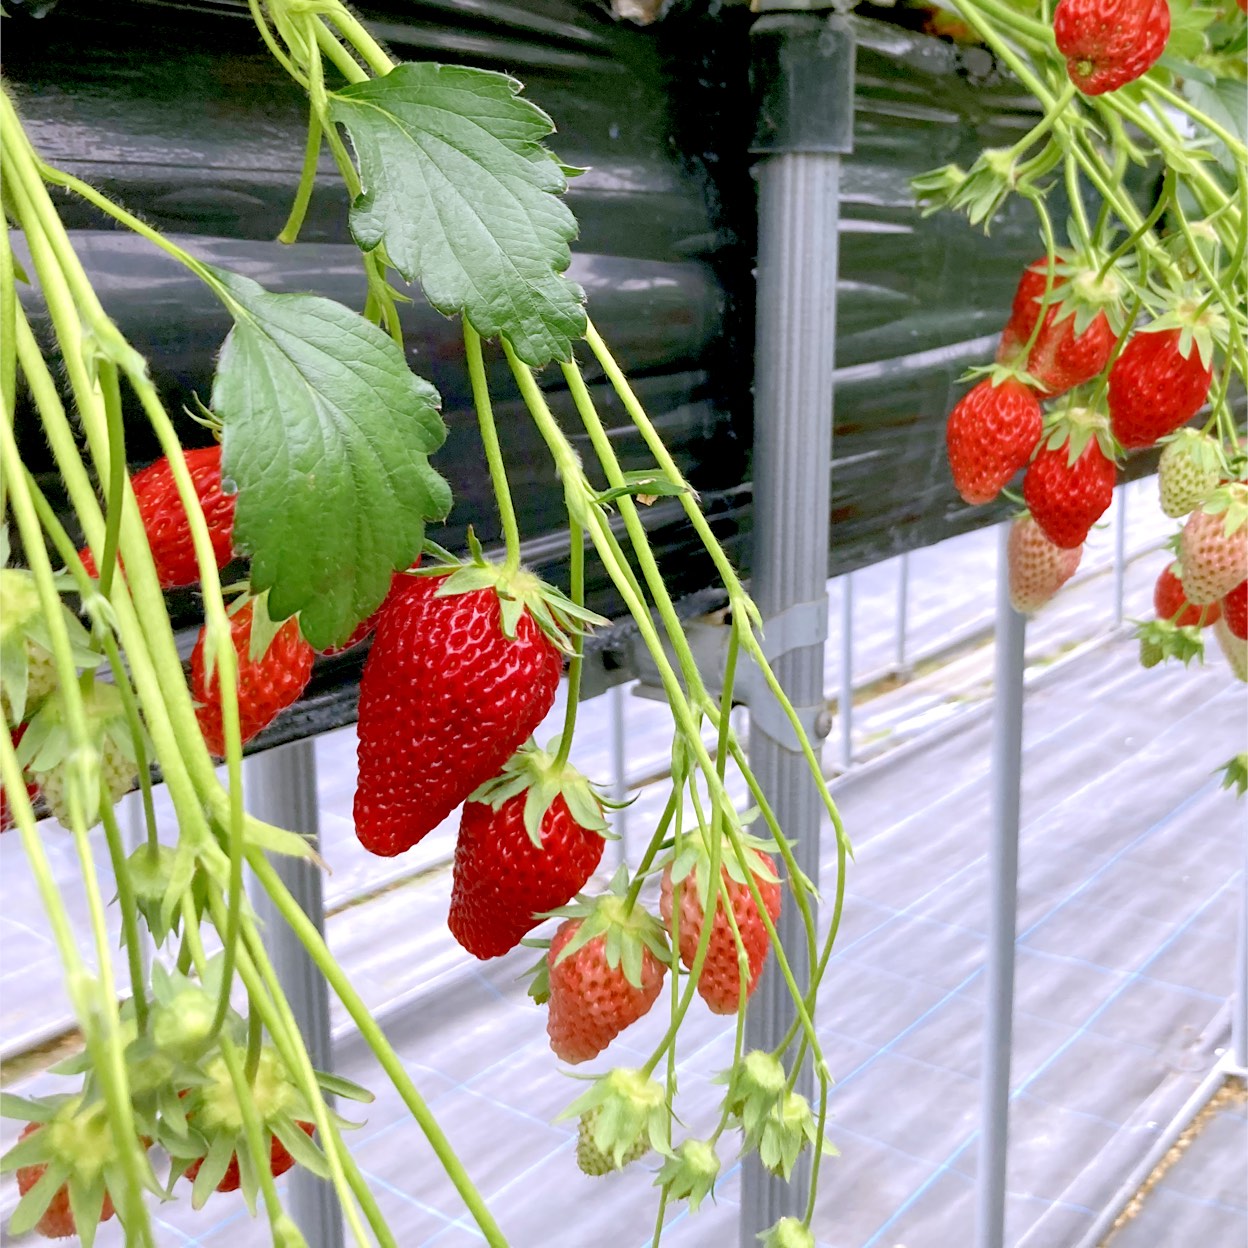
<point x="1235" y="649"/>
<point x="1214" y="546"/>
<point x="1037" y="568"/>
<point x="1188" y="472"/>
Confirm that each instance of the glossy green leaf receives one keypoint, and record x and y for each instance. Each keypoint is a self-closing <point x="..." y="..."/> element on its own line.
<point x="465" y="199"/>
<point x="327" y="434"/>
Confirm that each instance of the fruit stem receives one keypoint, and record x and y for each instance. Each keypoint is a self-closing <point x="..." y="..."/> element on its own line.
<point x="111" y="392"/>
<point x="375" y="1038"/>
<point x="129" y="910"/>
<point x="493" y="452"/>
<point x="370" y="50"/>
<point x="1074" y="192"/>
<point x="275" y="50"/>
<point x="1163" y="199"/>
<point x="255" y="1037"/>
<point x="576" y="536"/>
<point x="671" y="811"/>
<point x="307" y="180"/>
<point x="1046" y="123"/>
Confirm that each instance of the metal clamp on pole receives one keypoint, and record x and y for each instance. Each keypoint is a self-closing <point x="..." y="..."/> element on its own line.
<point x="802" y="65"/>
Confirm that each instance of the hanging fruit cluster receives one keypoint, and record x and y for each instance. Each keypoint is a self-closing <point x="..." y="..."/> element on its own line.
<point x="1134" y="326"/>
<point x="319" y="483"/>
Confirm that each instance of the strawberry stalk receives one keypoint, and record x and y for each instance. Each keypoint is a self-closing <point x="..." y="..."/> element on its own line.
<point x="570" y="472"/>
<point x="576" y="588"/>
<point x="493" y="452"/>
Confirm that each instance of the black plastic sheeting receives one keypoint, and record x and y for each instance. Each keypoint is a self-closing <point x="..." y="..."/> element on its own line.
<point x="177" y="110"/>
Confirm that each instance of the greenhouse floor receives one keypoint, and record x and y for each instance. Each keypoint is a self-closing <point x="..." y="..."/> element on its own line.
<point x="1129" y="888"/>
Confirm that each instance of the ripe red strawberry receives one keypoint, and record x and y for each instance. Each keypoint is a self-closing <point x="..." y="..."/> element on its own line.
<point x="1060" y="358"/>
<point x="1215" y="560"/>
<point x="57" y="1221"/>
<point x="514" y="859"/>
<point x="1037" y="568"/>
<point x="1154" y="389"/>
<point x="719" y="983"/>
<point x="604" y="969"/>
<point x="1070" y="483"/>
<point x="459" y="676"/>
<point x="32" y="790"/>
<point x="1171" y="604"/>
<point x="1235" y="611"/>
<point x="165" y="522"/>
<point x="266" y="684"/>
<point x="990" y="435"/>
<point x="1108" y="43"/>
<point x="280" y="1161"/>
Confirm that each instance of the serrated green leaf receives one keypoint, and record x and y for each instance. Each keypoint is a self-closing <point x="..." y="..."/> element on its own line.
<point x="465" y="199"/>
<point x="326" y="435"/>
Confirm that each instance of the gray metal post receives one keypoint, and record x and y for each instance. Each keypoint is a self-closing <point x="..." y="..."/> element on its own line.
<point x="1120" y="554"/>
<point x="803" y="72"/>
<point x="903" y="611"/>
<point x="1007" y="752"/>
<point x="280" y="785"/>
<point x="1239" y="1005"/>
<point x="845" y="700"/>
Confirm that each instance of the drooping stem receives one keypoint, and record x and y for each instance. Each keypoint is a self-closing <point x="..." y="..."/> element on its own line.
<point x="493" y="452"/>
<point x="576" y="586"/>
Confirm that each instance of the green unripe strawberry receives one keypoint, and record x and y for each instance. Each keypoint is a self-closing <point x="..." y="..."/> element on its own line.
<point x="1188" y="472"/>
<point x="72" y="776"/>
<point x="593" y="1160"/>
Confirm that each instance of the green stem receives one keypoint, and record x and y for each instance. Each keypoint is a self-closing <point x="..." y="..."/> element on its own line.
<point x="1074" y="192"/>
<point x="1158" y="210"/>
<point x="1046" y="123"/>
<point x="1234" y="145"/>
<point x="275" y="50"/>
<point x="338" y="56"/>
<point x="373" y="54"/>
<point x="129" y="911"/>
<point x="576" y="578"/>
<point x="307" y="181"/>
<point x="493" y="452"/>
<point x="671" y="811"/>
<point x="111" y="391"/>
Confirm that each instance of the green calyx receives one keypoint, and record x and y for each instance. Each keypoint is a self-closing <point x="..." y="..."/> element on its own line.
<point x="775" y="1121"/>
<point x="1162" y="639"/>
<point x="788" y="1233"/>
<point x="518" y="591"/>
<point x="1235" y="774"/>
<point x="1201" y="326"/>
<point x="622" y="1111"/>
<point x="1075" y="427"/>
<point x="539" y="774"/>
<point x="756" y="1086"/>
<point x="694" y="860"/>
<point x="629" y="931"/>
<point x="690" y="1173"/>
<point x="1229" y="500"/>
<point x="27" y="669"/>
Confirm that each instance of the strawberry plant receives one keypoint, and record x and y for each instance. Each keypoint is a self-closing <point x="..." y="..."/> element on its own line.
<point x="1131" y="330"/>
<point x="321" y="483"/>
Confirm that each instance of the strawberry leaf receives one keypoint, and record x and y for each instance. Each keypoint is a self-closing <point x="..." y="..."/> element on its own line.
<point x="326" y="438"/>
<point x="463" y="197"/>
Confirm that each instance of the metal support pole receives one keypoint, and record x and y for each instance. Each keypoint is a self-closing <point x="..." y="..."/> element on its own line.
<point x="1239" y="1006"/>
<point x="1120" y="554"/>
<point x="281" y="788"/>
<point x="903" y="611"/>
<point x="1007" y="756"/>
<point x="803" y="75"/>
<point x="845" y="700"/>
